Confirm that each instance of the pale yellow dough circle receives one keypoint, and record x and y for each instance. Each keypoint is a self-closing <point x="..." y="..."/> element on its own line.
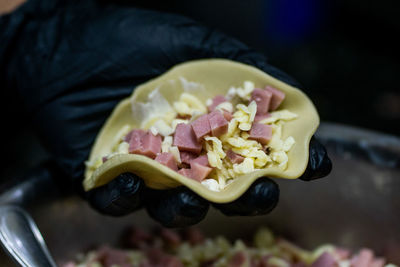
<point x="217" y="76"/>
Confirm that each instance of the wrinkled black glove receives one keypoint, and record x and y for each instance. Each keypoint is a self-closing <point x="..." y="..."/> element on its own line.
<point x="72" y="63"/>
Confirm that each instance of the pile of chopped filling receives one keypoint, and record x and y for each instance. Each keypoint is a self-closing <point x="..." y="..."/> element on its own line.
<point x="189" y="247"/>
<point x="216" y="141"/>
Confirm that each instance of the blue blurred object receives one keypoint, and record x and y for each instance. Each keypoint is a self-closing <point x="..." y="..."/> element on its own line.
<point x="288" y="21"/>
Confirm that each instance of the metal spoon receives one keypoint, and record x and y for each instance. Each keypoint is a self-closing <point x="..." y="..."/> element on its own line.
<point x="21" y="238"/>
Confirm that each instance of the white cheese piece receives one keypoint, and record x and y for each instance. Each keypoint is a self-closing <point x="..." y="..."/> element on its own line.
<point x="175" y="152"/>
<point x="193" y="102"/>
<point x="123" y="148"/>
<point x="232" y="92"/>
<point x="225" y="106"/>
<point x="211" y="184"/>
<point x="163" y="128"/>
<point x="288" y="143"/>
<point x="153" y="130"/>
<point x="166" y="144"/>
<point x="245" y="167"/>
<point x="156" y="106"/>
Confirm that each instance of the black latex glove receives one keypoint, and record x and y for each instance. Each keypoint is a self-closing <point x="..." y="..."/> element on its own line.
<point x="72" y="63"/>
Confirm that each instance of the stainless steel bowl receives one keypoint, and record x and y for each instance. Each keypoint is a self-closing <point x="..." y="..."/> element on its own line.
<point x="358" y="205"/>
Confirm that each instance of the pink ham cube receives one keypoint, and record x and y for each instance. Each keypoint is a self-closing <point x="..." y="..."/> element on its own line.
<point x="184" y="172"/>
<point x="216" y="101"/>
<point x="364" y="258"/>
<point x="187" y="157"/>
<point x="201" y="127"/>
<point x="341" y="253"/>
<point x="260" y="117"/>
<point x="227" y="115"/>
<point x="128" y="136"/>
<point x="233" y="157"/>
<point x="218" y="124"/>
<point x="262" y="98"/>
<point x="196" y="172"/>
<point x="135" y="140"/>
<point x="238" y="259"/>
<point x="168" y="160"/>
<point x="377" y="262"/>
<point x="262" y="133"/>
<point x="202" y="160"/>
<point x="199" y="172"/>
<point x="185" y="139"/>
<point x="277" y="97"/>
<point x="325" y="260"/>
<point x="151" y="145"/>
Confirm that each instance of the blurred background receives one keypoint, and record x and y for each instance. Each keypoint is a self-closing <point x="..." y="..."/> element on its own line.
<point x="345" y="53"/>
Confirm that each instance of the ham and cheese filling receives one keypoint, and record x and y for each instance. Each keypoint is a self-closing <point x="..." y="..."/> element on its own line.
<point x="216" y="141"/>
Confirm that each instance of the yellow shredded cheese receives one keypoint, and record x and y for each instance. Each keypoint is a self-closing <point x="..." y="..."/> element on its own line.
<point x="284" y="114"/>
<point x="225" y="106"/>
<point x="245" y="167"/>
<point x="188" y="105"/>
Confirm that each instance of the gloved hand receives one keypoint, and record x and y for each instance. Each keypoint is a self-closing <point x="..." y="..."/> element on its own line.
<point x="72" y="63"/>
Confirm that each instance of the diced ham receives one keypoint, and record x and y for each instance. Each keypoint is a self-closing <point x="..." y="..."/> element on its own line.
<point x="218" y="124"/>
<point x="194" y="236"/>
<point x="263" y="262"/>
<point x="227" y="115"/>
<point x="171" y="261"/>
<point x="128" y="136"/>
<point x="263" y="100"/>
<point x="135" y="237"/>
<point x="201" y="127"/>
<point x="104" y="159"/>
<point x="238" y="259"/>
<point x="325" y="260"/>
<point x="199" y="172"/>
<point x="277" y="97"/>
<point x="185" y="139"/>
<point x="233" y="157"/>
<point x="157" y="257"/>
<point x="262" y="133"/>
<point x="110" y="257"/>
<point x="196" y="172"/>
<point x="185" y="172"/>
<point x="171" y="238"/>
<point x="342" y="253"/>
<point x="363" y="258"/>
<point x="135" y="141"/>
<point x="187" y="157"/>
<point x="151" y="145"/>
<point x="216" y="101"/>
<point x="260" y="117"/>
<point x="202" y="160"/>
<point x="377" y="262"/>
<point x="168" y="160"/>
<point x="144" y="143"/>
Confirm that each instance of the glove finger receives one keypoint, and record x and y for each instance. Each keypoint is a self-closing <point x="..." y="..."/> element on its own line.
<point x="261" y="198"/>
<point x="119" y="197"/>
<point x="177" y="207"/>
<point x="319" y="164"/>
